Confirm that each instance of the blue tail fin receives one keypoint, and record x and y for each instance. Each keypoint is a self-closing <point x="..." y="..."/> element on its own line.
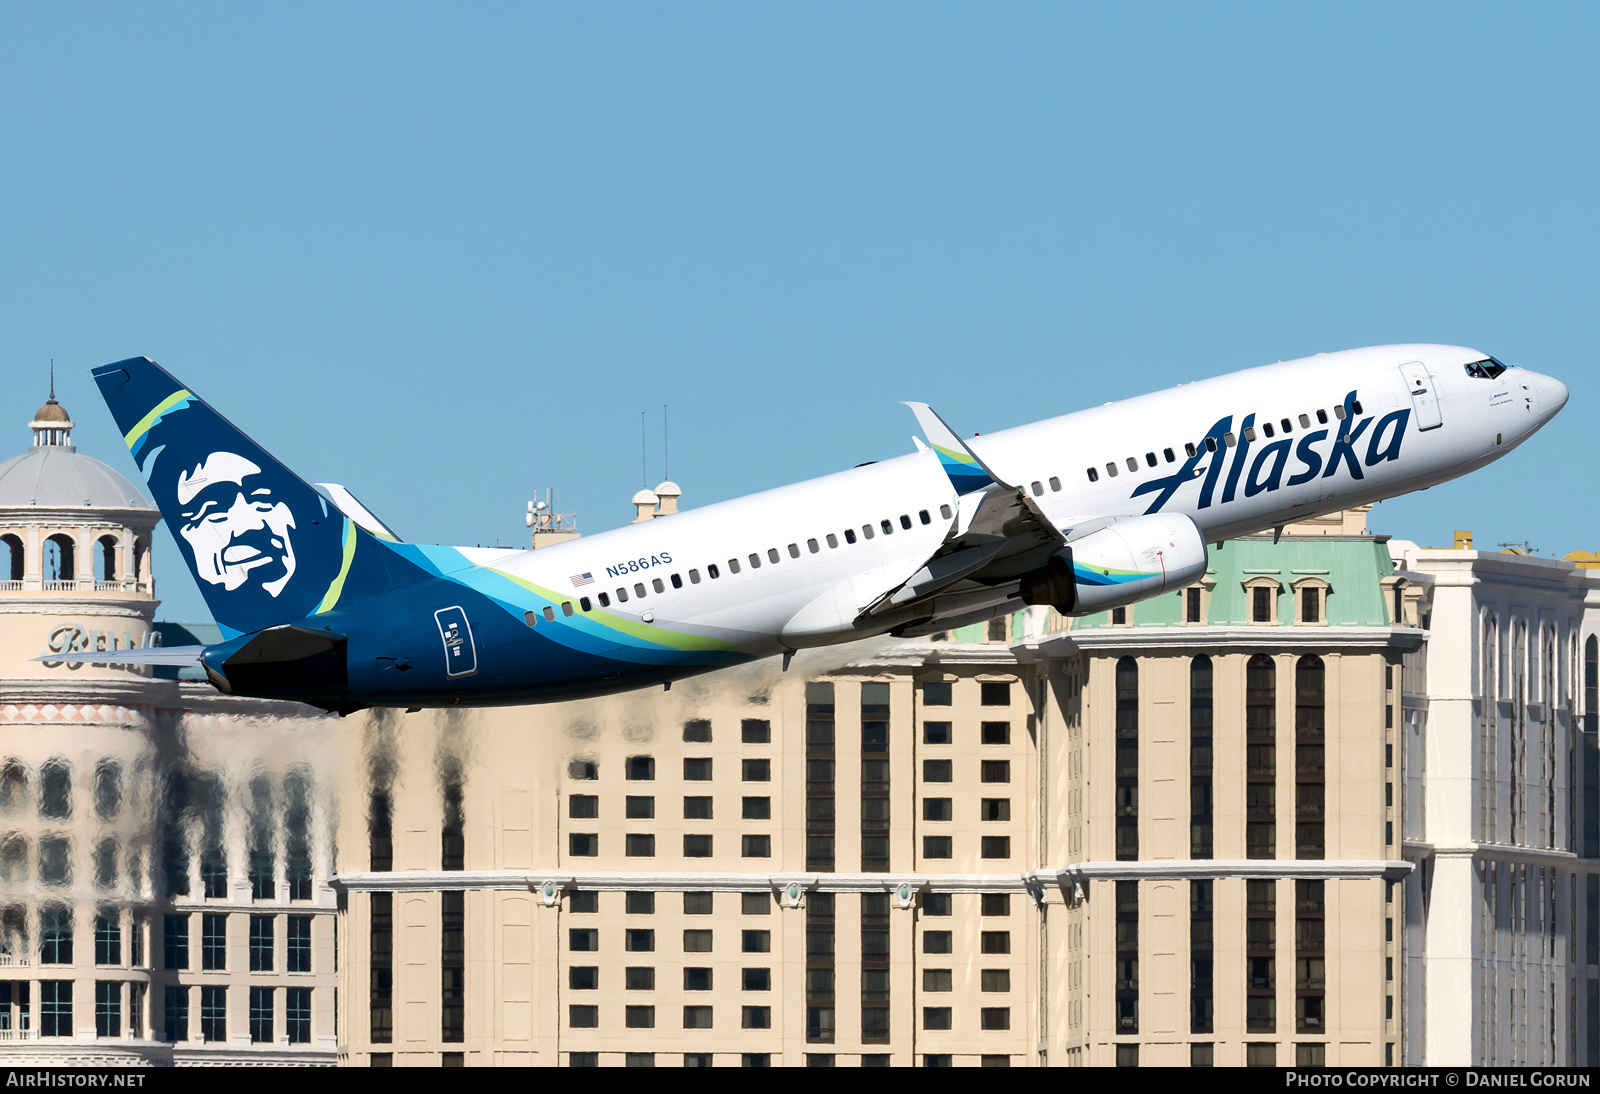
<point x="263" y="545"/>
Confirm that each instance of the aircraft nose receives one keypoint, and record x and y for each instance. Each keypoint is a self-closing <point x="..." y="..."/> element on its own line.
<point x="1552" y="395"/>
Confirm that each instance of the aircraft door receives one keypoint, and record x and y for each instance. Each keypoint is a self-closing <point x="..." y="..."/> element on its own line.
<point x="460" y="655"/>
<point x="1424" y="399"/>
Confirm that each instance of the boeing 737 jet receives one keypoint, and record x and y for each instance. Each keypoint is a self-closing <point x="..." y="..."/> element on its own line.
<point x="320" y="602"/>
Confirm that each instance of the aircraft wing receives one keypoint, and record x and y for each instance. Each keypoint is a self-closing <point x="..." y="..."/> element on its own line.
<point x="999" y="532"/>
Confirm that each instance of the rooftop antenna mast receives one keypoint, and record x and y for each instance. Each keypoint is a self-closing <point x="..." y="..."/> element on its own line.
<point x="644" y="471"/>
<point x="666" y="450"/>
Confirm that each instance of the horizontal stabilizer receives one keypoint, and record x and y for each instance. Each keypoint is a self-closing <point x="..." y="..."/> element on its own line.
<point x="151" y="655"/>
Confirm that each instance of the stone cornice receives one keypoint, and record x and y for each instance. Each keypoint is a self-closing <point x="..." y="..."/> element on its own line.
<point x="1500" y="852"/>
<point x="96" y="691"/>
<point x="1215" y="639"/>
<point x="143" y="607"/>
<point x="1034" y="881"/>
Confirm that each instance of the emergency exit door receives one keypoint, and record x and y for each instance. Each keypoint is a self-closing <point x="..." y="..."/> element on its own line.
<point x="1424" y="400"/>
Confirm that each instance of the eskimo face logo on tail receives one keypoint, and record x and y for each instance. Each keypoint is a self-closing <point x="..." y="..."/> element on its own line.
<point x="1266" y="473"/>
<point x="237" y="531"/>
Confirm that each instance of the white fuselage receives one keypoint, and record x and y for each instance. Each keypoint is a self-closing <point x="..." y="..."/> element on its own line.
<point x="1080" y="467"/>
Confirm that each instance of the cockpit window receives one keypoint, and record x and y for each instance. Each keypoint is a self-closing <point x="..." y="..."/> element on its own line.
<point x="1486" y="369"/>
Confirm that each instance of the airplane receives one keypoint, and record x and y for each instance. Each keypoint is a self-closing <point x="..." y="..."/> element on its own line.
<point x="319" y="601"/>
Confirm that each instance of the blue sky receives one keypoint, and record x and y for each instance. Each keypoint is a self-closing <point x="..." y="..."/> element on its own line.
<point x="447" y="254"/>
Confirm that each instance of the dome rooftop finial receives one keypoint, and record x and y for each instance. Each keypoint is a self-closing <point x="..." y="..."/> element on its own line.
<point x="51" y="424"/>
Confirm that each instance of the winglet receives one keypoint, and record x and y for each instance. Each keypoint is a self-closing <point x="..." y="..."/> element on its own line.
<point x="967" y="472"/>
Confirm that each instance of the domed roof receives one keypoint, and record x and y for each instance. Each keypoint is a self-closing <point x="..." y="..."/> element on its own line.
<point x="57" y="477"/>
<point x="669" y="489"/>
<point x="645" y="497"/>
<point x="52" y="412"/>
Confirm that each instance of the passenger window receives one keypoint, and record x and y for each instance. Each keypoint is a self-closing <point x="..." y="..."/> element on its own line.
<point x="905" y="521"/>
<point x="1094" y="476"/>
<point x="833" y="540"/>
<point x="1188" y="449"/>
<point x="1037" y="487"/>
<point x="713" y="572"/>
<point x="655" y="583"/>
<point x="1230" y="440"/>
<point x="1167" y="455"/>
<point x="605" y="600"/>
<point x="566" y="607"/>
<point x="1338" y="412"/>
<point x="1150" y="459"/>
<point x="677" y="582"/>
<point x="772" y="554"/>
<point x="531" y="618"/>
<point x="944" y="511"/>
<point x="1356" y="406"/>
<point x="1055" y="483"/>
<point x="755" y="561"/>
<point x="1305" y="422"/>
<point x="1322" y="417"/>
<point x="1266" y="427"/>
<point x="1211" y="444"/>
<point x="583" y="602"/>
<point x="694" y="577"/>
<point x="1133" y="463"/>
<point x="922" y="515"/>
<point x="622" y="596"/>
<point x="794" y="550"/>
<point x="733" y="565"/>
<point x="549" y="615"/>
<point x="1249" y="432"/>
<point x="811" y="545"/>
<point x="849" y="535"/>
<point x="1288" y="426"/>
<point x="888" y="528"/>
<point x="866" y="530"/>
<point x="638" y="589"/>
<point x="1111" y="469"/>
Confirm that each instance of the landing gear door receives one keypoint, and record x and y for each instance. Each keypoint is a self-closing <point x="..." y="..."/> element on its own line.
<point x="460" y="655"/>
<point x="1424" y="400"/>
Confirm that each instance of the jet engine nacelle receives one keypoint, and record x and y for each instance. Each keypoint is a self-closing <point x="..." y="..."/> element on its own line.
<point x="1131" y="560"/>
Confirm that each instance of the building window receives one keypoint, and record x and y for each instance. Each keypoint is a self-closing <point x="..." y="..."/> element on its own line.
<point x="936" y="847"/>
<point x="936" y="693"/>
<point x="755" y="941"/>
<point x="213" y="941"/>
<point x="299" y="945"/>
<point x="639" y="940"/>
<point x="381" y="960"/>
<point x="755" y="1018"/>
<point x="995" y="733"/>
<point x="1261" y="757"/>
<point x="1192" y="611"/>
<point x="819" y="777"/>
<point x="107" y="939"/>
<point x="874" y="776"/>
<point x="1310" y="957"/>
<point x="820" y="926"/>
<point x="175" y="1000"/>
<point x="107" y="1008"/>
<point x="1200" y="773"/>
<point x="1202" y="999"/>
<point x="1127" y="1055"/>
<point x="875" y="968"/>
<point x="640" y="768"/>
<point x="639" y="1017"/>
<point x="697" y="769"/>
<point x="297" y="1015"/>
<point x="995" y="980"/>
<point x="697" y="731"/>
<point x="755" y="731"/>
<point x="697" y="941"/>
<point x="1310" y="788"/>
<point x="452" y="966"/>
<point x="936" y="771"/>
<point x="696" y="1017"/>
<point x="1127" y="759"/>
<point x="696" y="846"/>
<point x="935" y="733"/>
<point x="995" y="1017"/>
<point x="936" y="1017"/>
<point x="639" y="978"/>
<point x="1257" y="1054"/>
<point x="214" y="1013"/>
<point x="996" y="846"/>
<point x="261" y="1016"/>
<point x="175" y="941"/>
<point x="995" y="771"/>
<point x="1127" y="969"/>
<point x="1261" y="941"/>
<point x="261" y="939"/>
<point x="995" y="693"/>
<point x="583" y="806"/>
<point x="1310" y="603"/>
<point x="755" y="846"/>
<point x="55" y="935"/>
<point x="583" y="844"/>
<point x="639" y="845"/>
<point x="55" y="1008"/>
<point x="994" y="941"/>
<point x="1262" y="606"/>
<point x="583" y="1016"/>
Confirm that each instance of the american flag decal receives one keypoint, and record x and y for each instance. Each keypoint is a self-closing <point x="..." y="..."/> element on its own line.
<point x="582" y="579"/>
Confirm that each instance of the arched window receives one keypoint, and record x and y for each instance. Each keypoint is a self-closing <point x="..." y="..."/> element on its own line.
<point x="12" y="565"/>
<point x="108" y="789"/>
<point x="1309" y="776"/>
<point x="139" y="551"/>
<point x="1127" y="831"/>
<point x="1200" y="757"/>
<point x="60" y="558"/>
<point x="55" y="790"/>
<point x="105" y="559"/>
<point x="13" y="786"/>
<point x="1261" y="758"/>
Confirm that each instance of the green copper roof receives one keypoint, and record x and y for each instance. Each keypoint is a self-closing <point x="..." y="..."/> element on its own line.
<point x="1353" y="567"/>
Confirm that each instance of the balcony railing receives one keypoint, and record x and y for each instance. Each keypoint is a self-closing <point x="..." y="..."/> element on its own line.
<point x="12" y="959"/>
<point x="19" y="1035"/>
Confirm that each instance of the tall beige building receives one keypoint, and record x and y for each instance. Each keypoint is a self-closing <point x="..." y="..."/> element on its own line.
<point x="1165" y="835"/>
